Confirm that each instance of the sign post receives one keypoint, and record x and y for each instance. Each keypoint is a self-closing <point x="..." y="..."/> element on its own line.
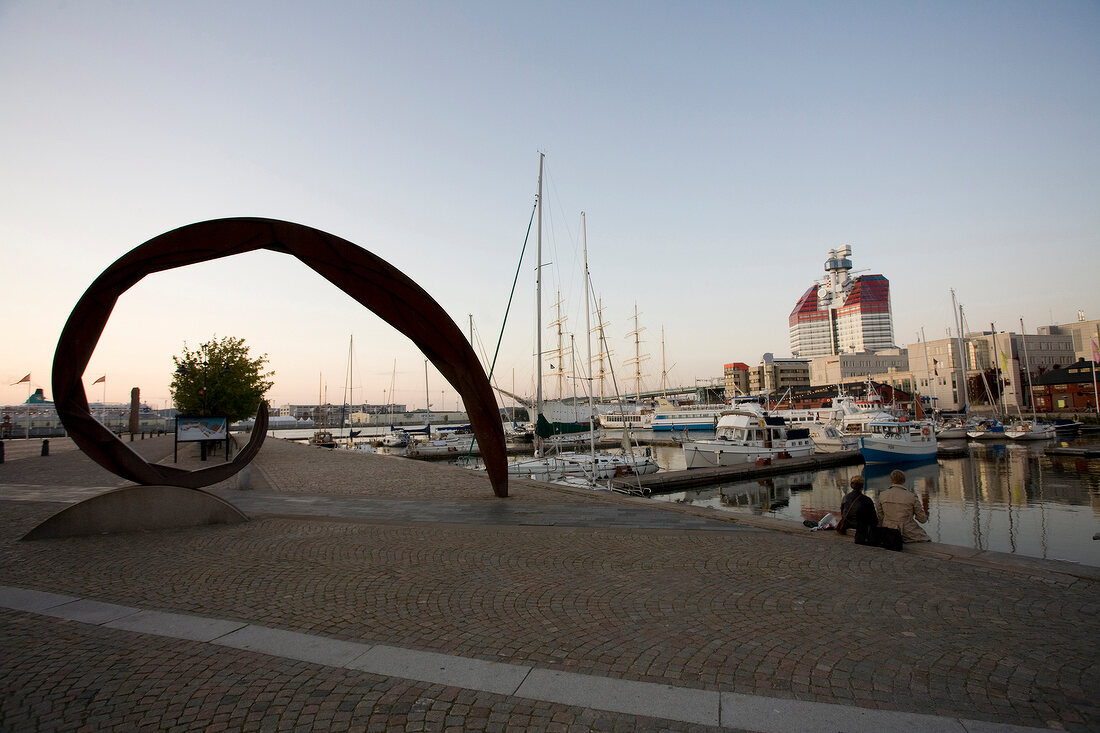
<point x="201" y="430"/>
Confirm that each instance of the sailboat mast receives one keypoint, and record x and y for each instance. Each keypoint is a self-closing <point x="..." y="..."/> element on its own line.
<point x="538" y="314"/>
<point x="588" y="339"/>
<point x="927" y="369"/>
<point x="1027" y="368"/>
<point x="664" y="372"/>
<point x="956" y="311"/>
<point x="427" y="403"/>
<point x="997" y="371"/>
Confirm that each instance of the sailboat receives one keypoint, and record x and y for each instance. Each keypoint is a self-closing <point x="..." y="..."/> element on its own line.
<point x="1029" y="429"/>
<point x="322" y="438"/>
<point x="591" y="466"/>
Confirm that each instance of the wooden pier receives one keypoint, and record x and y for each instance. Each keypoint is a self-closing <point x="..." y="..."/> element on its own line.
<point x="665" y="481"/>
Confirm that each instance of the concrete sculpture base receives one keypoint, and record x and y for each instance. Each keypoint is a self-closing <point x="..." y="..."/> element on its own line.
<point x="138" y="509"/>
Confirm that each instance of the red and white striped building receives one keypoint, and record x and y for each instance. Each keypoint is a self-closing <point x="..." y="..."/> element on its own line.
<point x="841" y="314"/>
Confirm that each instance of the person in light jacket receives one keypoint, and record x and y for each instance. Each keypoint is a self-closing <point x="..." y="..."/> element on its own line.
<point x="901" y="509"/>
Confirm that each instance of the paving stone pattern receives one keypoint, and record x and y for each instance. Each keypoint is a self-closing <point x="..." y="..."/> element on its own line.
<point x="782" y="615"/>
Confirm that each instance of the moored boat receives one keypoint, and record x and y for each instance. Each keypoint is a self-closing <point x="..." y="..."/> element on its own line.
<point x="898" y="441"/>
<point x="624" y="419"/>
<point x="746" y="434"/>
<point x="989" y="429"/>
<point x="828" y="439"/>
<point x="1030" y="430"/>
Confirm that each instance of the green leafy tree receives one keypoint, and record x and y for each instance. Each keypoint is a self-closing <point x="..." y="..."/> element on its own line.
<point x="219" y="379"/>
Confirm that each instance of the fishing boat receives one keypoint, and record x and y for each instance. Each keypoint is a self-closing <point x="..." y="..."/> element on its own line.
<point x="898" y="441"/>
<point x="746" y="434"/>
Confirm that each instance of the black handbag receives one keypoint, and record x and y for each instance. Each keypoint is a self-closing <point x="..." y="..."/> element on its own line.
<point x="887" y="538"/>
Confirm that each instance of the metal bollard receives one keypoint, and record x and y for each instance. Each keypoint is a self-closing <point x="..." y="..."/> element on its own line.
<point x="45" y="447"/>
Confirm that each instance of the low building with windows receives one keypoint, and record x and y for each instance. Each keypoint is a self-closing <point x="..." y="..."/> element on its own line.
<point x="736" y="377"/>
<point x="776" y="375"/>
<point x="1071" y="389"/>
<point x="839" y="368"/>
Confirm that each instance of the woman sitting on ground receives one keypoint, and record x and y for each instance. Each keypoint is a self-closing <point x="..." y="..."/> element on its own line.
<point x="858" y="512"/>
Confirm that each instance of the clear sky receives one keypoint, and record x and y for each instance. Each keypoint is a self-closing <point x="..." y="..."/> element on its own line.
<point x="719" y="149"/>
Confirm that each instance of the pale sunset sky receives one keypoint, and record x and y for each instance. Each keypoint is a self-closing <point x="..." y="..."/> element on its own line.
<point x="719" y="150"/>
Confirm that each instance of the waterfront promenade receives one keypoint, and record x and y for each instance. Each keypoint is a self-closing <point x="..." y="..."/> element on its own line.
<point x="376" y="593"/>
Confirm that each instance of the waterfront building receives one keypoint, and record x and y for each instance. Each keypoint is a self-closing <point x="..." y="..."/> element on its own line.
<point x="736" y="376"/>
<point x="842" y="314"/>
<point x="1081" y="331"/>
<point x="1070" y="389"/>
<point x="776" y="375"/>
<point x="839" y="368"/>
<point x="987" y="354"/>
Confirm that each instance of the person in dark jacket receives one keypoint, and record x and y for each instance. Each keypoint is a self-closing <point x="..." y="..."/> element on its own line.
<point x="858" y="512"/>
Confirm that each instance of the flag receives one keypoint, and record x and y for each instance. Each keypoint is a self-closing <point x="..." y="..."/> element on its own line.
<point x="1095" y="353"/>
<point x="935" y="367"/>
<point x="1004" y="362"/>
<point x="101" y="379"/>
<point x="28" y="377"/>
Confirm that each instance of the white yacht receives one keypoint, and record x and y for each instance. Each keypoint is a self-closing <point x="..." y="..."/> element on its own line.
<point x="746" y="434"/>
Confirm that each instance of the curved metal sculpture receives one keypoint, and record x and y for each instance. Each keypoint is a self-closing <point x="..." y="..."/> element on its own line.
<point x="368" y="279"/>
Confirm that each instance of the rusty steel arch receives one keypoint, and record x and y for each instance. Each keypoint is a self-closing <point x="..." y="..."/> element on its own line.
<point x="367" y="278"/>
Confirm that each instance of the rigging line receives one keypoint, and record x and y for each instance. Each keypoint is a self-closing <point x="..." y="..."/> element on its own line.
<point x="526" y="237"/>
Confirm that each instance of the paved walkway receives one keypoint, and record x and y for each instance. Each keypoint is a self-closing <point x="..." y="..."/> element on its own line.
<point x="599" y="612"/>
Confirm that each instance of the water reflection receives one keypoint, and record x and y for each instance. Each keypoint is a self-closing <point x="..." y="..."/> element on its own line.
<point x="999" y="496"/>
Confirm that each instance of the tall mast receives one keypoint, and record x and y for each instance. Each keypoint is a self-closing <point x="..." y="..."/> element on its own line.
<point x="1027" y="368"/>
<point x="956" y="311"/>
<point x="538" y="314"/>
<point x="604" y="353"/>
<point x="427" y="403"/>
<point x="997" y="371"/>
<point x="928" y="371"/>
<point x="588" y="338"/>
<point x="664" y="372"/>
<point x="638" y="358"/>
<point x="561" y="350"/>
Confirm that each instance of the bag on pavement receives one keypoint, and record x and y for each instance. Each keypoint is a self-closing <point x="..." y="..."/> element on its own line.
<point x="887" y="538"/>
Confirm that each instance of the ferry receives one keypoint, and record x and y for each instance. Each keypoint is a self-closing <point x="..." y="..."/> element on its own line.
<point x="620" y="420"/>
<point x="687" y="417"/>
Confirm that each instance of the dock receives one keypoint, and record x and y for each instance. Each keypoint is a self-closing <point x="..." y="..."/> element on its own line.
<point x="1065" y="450"/>
<point x="666" y="481"/>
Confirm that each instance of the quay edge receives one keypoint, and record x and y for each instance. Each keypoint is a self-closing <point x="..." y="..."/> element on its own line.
<point x="664" y="482"/>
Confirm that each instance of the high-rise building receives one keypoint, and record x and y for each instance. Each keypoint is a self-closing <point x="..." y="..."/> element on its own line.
<point x="841" y="314"/>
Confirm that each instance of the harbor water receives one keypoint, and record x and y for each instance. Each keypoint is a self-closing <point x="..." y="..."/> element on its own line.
<point x="1001" y="496"/>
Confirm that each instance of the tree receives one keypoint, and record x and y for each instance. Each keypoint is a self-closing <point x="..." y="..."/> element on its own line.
<point x="219" y="379"/>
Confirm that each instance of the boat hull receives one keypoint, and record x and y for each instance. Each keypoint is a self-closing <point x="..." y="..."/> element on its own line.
<point x="710" y="453"/>
<point x="886" y="451"/>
